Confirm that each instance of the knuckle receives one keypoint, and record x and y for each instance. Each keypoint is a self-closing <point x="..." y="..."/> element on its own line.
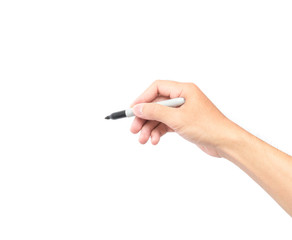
<point x="153" y="110"/>
<point x="192" y="85"/>
<point x="191" y="88"/>
<point x="146" y="129"/>
<point x="157" y="108"/>
<point x="157" y="82"/>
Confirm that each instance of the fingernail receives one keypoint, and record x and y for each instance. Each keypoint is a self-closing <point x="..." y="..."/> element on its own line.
<point x="137" y="109"/>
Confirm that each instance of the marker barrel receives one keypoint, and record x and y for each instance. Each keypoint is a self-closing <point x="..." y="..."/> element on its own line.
<point x="174" y="102"/>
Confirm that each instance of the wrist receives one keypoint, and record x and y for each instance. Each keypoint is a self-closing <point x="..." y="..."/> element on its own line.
<point x="233" y="142"/>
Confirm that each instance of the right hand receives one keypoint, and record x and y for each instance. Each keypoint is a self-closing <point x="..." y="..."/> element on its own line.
<point x="197" y="120"/>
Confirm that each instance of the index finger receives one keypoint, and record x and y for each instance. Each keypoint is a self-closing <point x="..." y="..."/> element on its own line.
<point x="165" y="88"/>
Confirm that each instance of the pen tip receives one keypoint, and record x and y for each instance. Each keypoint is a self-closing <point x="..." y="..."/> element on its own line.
<point x="107" y="117"/>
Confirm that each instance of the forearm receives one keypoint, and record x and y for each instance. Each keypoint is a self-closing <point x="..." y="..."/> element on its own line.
<point x="269" y="167"/>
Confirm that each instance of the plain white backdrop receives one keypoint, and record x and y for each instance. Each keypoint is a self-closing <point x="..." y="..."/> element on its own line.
<point x="66" y="173"/>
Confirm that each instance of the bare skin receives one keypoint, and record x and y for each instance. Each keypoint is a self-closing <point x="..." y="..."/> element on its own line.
<point x="200" y="122"/>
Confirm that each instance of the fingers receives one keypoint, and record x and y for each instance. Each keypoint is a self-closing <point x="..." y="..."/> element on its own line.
<point x="137" y="125"/>
<point x="154" y="120"/>
<point x="169" y="89"/>
<point x="158" y="132"/>
<point x="146" y="131"/>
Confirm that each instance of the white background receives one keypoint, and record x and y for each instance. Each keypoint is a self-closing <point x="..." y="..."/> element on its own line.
<point x="66" y="173"/>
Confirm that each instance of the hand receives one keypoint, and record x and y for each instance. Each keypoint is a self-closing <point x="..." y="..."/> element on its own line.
<point x="198" y="120"/>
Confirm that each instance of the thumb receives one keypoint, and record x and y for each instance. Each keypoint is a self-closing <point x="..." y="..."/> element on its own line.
<point x="157" y="112"/>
